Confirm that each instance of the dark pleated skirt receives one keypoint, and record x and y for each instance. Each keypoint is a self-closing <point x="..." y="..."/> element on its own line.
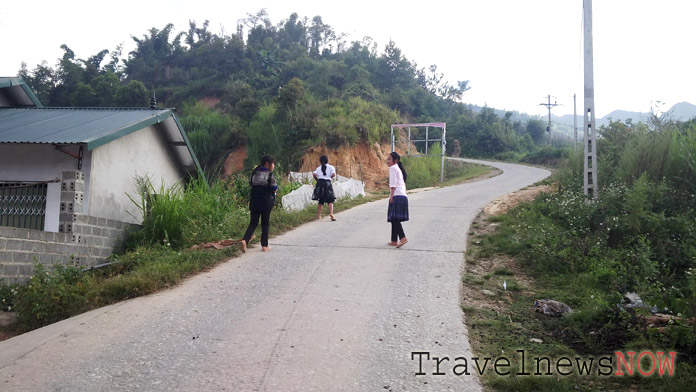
<point x="323" y="192"/>
<point x="398" y="210"/>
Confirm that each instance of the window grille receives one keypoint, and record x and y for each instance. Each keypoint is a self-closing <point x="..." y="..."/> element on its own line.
<point x="23" y="205"/>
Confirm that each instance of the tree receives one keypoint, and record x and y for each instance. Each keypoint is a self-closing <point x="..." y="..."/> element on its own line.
<point x="41" y="79"/>
<point x="154" y="56"/>
<point x="238" y="99"/>
<point x="290" y="95"/>
<point x="393" y="70"/>
<point x="133" y="94"/>
<point x="537" y="130"/>
<point x="293" y="32"/>
<point x="105" y="87"/>
<point x="323" y="39"/>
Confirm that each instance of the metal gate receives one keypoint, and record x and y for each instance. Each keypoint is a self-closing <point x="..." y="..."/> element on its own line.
<point x="426" y="141"/>
<point x="23" y="205"/>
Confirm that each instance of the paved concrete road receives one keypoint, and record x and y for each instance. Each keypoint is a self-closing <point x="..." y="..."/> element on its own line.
<point x="331" y="308"/>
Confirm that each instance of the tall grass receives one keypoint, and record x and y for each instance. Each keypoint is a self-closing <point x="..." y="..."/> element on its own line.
<point x="161" y="212"/>
<point x="423" y="171"/>
<point x="183" y="215"/>
<point x="639" y="236"/>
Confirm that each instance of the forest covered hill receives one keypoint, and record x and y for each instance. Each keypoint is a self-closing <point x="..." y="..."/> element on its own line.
<point x="281" y="88"/>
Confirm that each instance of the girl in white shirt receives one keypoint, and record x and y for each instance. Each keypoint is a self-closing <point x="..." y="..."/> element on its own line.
<point x="323" y="192"/>
<point x="398" y="202"/>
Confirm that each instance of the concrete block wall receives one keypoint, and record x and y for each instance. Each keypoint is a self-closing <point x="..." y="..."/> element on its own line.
<point x="85" y="241"/>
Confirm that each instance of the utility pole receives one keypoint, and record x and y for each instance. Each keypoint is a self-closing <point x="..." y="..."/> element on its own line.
<point x="591" y="186"/>
<point x="549" y="105"/>
<point x="575" y="123"/>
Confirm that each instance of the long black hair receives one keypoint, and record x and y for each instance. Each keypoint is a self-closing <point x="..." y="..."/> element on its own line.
<point x="396" y="158"/>
<point x="324" y="160"/>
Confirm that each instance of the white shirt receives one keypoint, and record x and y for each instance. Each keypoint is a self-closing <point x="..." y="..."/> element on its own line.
<point x="396" y="180"/>
<point x="329" y="171"/>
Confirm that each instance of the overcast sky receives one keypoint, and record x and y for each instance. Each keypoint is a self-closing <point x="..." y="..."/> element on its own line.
<point x="513" y="52"/>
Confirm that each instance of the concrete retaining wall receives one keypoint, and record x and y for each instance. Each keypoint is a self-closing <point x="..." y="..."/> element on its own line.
<point x="85" y="241"/>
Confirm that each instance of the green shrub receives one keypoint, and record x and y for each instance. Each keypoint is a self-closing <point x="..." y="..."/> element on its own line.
<point x="509" y="156"/>
<point x="8" y="296"/>
<point x="51" y="296"/>
<point x="551" y="156"/>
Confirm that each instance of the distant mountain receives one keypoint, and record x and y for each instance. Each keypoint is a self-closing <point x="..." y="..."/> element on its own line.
<point x="682" y="111"/>
<point x="516" y="116"/>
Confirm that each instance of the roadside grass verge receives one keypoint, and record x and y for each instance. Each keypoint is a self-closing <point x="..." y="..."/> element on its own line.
<point x="502" y="323"/>
<point x="457" y="172"/>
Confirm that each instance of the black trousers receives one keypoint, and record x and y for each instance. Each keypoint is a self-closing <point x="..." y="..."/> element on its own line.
<point x="397" y="231"/>
<point x="254" y="222"/>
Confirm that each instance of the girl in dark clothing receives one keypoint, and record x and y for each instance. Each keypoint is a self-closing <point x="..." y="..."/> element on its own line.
<point x="263" y="192"/>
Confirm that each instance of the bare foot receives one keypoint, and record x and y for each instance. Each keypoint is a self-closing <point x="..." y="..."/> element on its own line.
<point x="242" y="245"/>
<point x="332" y="217"/>
<point x="265" y="248"/>
<point x="402" y="242"/>
<point x="392" y="243"/>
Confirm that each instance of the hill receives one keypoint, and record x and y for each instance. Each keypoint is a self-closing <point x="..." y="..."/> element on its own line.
<point x="682" y="111"/>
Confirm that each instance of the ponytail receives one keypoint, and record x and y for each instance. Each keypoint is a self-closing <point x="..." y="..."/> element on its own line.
<point x="403" y="171"/>
<point x="324" y="160"/>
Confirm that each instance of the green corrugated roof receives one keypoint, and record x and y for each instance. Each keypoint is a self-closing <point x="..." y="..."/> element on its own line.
<point x="91" y="126"/>
<point x="14" y="92"/>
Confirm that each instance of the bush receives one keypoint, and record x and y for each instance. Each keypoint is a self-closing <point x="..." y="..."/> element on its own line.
<point x="510" y="156"/>
<point x="8" y="296"/>
<point x="550" y="156"/>
<point x="51" y="296"/>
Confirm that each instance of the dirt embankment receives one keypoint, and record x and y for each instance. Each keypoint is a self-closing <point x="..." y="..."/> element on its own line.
<point x="362" y="162"/>
<point x="234" y="163"/>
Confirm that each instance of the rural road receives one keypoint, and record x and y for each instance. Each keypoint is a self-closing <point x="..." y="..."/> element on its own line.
<point x="330" y="308"/>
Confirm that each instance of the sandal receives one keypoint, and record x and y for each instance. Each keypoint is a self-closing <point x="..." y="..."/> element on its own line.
<point x="402" y="243"/>
<point x="332" y="218"/>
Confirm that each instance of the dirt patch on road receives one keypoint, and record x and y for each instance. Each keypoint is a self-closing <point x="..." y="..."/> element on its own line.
<point x="502" y="204"/>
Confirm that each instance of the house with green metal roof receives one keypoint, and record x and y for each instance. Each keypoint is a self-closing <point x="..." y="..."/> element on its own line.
<point x="73" y="171"/>
<point x="14" y="92"/>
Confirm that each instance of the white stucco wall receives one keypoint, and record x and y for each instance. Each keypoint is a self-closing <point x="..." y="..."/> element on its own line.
<point x="42" y="162"/>
<point x="114" y="167"/>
